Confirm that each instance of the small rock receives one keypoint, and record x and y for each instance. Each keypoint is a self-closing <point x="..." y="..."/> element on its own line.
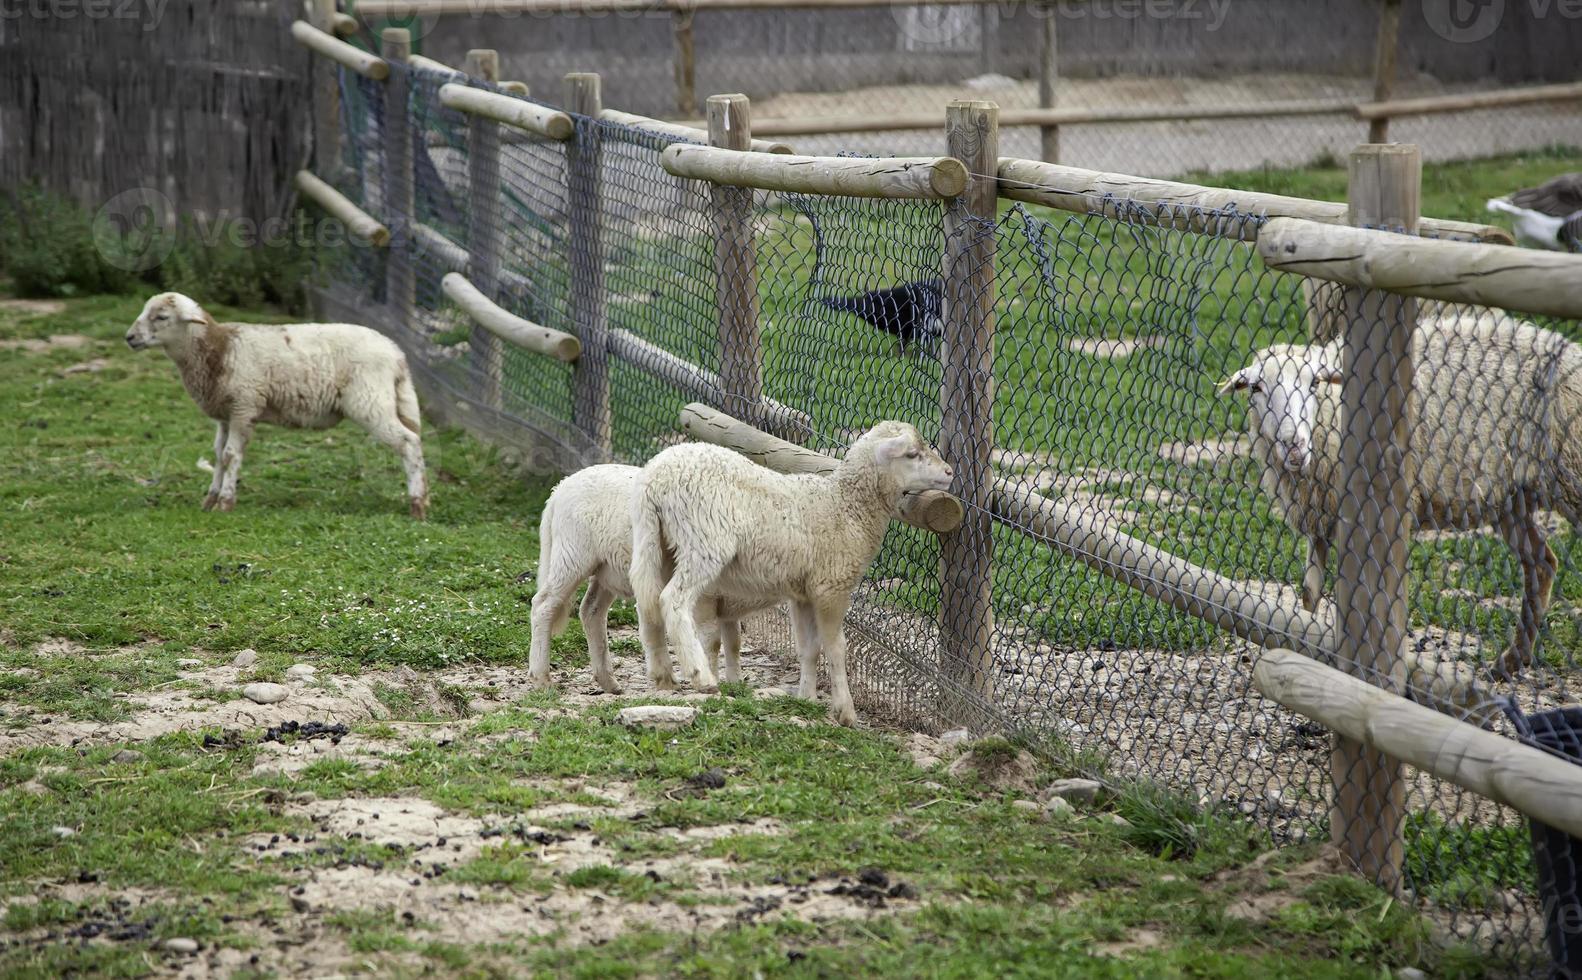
<point x="955" y="738"/>
<point x="1059" y="807"/>
<point x="181" y="944"/>
<point x="1030" y="806"/>
<point x="1083" y="791"/>
<point x="63" y="832"/>
<point x="1118" y="820"/>
<point x="660" y="717"/>
<point x="246" y="658"/>
<point x="301" y="672"/>
<point x="1410" y="973"/>
<point x="264" y="693"/>
<point x="189" y="662"/>
<point x="126" y="755"/>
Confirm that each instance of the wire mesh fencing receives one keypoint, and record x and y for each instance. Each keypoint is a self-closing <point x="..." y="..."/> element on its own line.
<point x="1186" y="465"/>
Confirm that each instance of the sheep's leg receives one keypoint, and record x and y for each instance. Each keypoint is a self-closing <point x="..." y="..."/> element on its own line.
<point x="1313" y="575"/>
<point x="237" y="434"/>
<point x="551" y="611"/>
<point x="708" y="619"/>
<point x="1539" y="565"/>
<point x="680" y="601"/>
<point x="651" y="628"/>
<point x="213" y="496"/>
<point x="595" y="623"/>
<point x="832" y="638"/>
<point x="386" y="427"/>
<point x="729" y="637"/>
<point x="805" y="626"/>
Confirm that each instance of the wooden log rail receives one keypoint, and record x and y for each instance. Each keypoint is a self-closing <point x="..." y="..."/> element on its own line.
<point x="1543" y="786"/>
<point x="534" y="118"/>
<point x="1527" y="280"/>
<point x="1095" y="192"/>
<point x="1465" y="101"/>
<point x="338" y="206"/>
<point x="931" y="510"/>
<point x="678" y="131"/>
<point x="326" y="44"/>
<point x="344" y="25"/>
<point x="700" y="382"/>
<point x="507" y="325"/>
<point x="918" y="178"/>
<point x="1206" y="594"/>
<point x="397" y="9"/>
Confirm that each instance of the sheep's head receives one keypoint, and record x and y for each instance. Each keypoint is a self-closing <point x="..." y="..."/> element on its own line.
<point x="1282" y="385"/>
<point x="165" y="319"/>
<point x="906" y="458"/>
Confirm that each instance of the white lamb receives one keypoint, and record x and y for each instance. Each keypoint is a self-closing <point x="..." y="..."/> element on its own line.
<point x="1496" y="435"/>
<point x="298" y="375"/>
<point x="748" y="533"/>
<point x="585" y="535"/>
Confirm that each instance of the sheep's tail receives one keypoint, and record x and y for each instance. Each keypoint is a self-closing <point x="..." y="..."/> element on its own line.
<point x="406" y="401"/>
<point x="647" y="571"/>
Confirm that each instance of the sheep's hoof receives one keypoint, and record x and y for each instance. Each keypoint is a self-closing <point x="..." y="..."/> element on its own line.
<point x="809" y="693"/>
<point x="705" y="683"/>
<point x="608" y="685"/>
<point x="209" y="500"/>
<point x="846" y="716"/>
<point x="420" y="509"/>
<point x="226" y="504"/>
<point x="663" y="682"/>
<point x="540" y="683"/>
<point x="1507" y="667"/>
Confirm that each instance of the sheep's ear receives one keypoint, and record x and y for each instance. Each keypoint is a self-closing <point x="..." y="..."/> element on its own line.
<point x="892" y="448"/>
<point x="1240" y="380"/>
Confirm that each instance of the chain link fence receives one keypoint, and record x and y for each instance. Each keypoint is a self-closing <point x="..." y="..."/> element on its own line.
<point x="853" y="72"/>
<point x="1169" y="442"/>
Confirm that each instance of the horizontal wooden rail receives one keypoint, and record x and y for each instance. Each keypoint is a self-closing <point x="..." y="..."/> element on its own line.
<point x="429" y="64"/>
<point x="809" y="125"/>
<point x="345" y="25"/>
<point x="700" y="382"/>
<point x="360" y="61"/>
<point x="1521" y="279"/>
<point x="338" y="206"/>
<point x="1541" y="785"/>
<point x="1465" y="101"/>
<point x="455" y="258"/>
<point x="679" y="131"/>
<point x="1206" y="594"/>
<point x="927" y="178"/>
<point x="1096" y="192"/>
<point x="530" y="116"/>
<point x="519" y="89"/>
<point x="931" y="510"/>
<point x="506" y="325"/>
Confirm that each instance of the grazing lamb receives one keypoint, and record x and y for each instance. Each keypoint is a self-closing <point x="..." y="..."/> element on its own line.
<point x="299" y="375"/>
<point x="1496" y="423"/>
<point x="585" y="535"/>
<point x="909" y="312"/>
<point x="752" y="534"/>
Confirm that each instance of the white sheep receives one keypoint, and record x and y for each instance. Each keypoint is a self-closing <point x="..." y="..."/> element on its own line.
<point x="585" y="535"/>
<point x="745" y="532"/>
<point x="1496" y="435"/>
<point x="298" y="375"/>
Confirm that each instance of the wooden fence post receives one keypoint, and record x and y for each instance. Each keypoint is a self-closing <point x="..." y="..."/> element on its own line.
<point x="736" y="270"/>
<point x="1048" y="74"/>
<point x="399" y="195"/>
<point x="1373" y="535"/>
<point x="326" y="101"/>
<point x="591" y="375"/>
<point x="966" y="397"/>
<point x="685" y="65"/>
<point x="483" y="218"/>
<point x="1384" y="65"/>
